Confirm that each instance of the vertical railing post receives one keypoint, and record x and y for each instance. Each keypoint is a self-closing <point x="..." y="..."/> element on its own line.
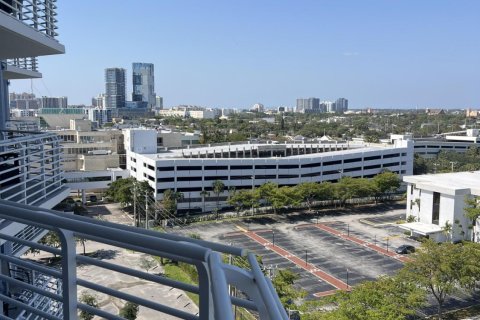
<point x="206" y="306"/>
<point x="69" y="274"/>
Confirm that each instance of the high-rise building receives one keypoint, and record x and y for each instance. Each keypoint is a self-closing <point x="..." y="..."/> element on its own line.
<point x="143" y="80"/>
<point x="54" y="102"/>
<point x="309" y="105"/>
<point x="115" y="88"/>
<point x="159" y="104"/>
<point x="341" y="105"/>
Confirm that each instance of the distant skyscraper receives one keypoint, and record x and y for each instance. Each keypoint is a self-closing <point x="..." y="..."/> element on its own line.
<point x="54" y="102"/>
<point x="143" y="80"/>
<point x="308" y="105"/>
<point x="341" y="105"/>
<point x="115" y="87"/>
<point x="159" y="104"/>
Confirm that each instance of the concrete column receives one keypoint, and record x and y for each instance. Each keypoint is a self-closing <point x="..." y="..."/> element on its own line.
<point x="4" y="110"/>
<point x="84" y="196"/>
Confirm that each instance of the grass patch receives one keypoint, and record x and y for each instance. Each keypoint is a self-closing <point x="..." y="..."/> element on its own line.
<point x="175" y="272"/>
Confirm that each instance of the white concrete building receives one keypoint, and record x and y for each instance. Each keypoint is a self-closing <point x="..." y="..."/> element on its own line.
<point x="438" y="200"/>
<point x="241" y="166"/>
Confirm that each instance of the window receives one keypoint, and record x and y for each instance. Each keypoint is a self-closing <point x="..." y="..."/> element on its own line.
<point x="189" y="178"/>
<point x="165" y="179"/>
<point x="326" y="173"/>
<point x="313" y="174"/>
<point x="331" y="163"/>
<point x="265" y="166"/>
<point x="288" y="166"/>
<point x="189" y="168"/>
<point x="240" y="177"/>
<point x="151" y="167"/>
<point x="190" y="190"/>
<point x="352" y="169"/>
<point x="311" y="165"/>
<point x="376" y="166"/>
<point x="288" y="176"/>
<point x="241" y="167"/>
<point x="166" y="168"/>
<point x="372" y="158"/>
<point x="268" y="176"/>
<point x="211" y="178"/>
<point x="352" y="160"/>
<point x="392" y="155"/>
<point x="390" y="164"/>
<point x="436" y="208"/>
<point x="216" y="167"/>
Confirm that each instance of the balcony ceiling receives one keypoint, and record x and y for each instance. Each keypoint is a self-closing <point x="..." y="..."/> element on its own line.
<point x="17" y="40"/>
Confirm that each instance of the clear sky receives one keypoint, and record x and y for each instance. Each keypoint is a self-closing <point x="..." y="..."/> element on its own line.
<point x="225" y="53"/>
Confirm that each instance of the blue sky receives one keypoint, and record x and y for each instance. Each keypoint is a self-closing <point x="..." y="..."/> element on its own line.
<point x="225" y="53"/>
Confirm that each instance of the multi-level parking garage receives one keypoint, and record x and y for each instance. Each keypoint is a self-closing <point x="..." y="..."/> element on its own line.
<point x="192" y="171"/>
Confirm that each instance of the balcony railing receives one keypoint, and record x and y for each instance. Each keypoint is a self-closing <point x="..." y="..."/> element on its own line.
<point x="30" y="166"/>
<point x="50" y="292"/>
<point x="37" y="14"/>
<point x="30" y="63"/>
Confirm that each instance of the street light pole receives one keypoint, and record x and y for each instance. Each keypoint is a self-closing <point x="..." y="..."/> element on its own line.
<point x="306" y="257"/>
<point x="453" y="163"/>
<point x="253" y="187"/>
<point x="273" y="238"/>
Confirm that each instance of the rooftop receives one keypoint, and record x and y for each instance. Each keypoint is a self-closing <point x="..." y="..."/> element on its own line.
<point x="353" y="149"/>
<point x="456" y="183"/>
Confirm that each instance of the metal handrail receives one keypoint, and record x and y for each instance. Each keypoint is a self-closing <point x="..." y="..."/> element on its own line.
<point x="30" y="63"/>
<point x="214" y="275"/>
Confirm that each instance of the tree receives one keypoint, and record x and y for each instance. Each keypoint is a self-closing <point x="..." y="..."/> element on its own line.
<point x="82" y="242"/>
<point x="386" y="182"/>
<point x="442" y="269"/>
<point x="218" y="186"/>
<point x="284" y="197"/>
<point x="447" y="230"/>
<point x="283" y="282"/>
<point x="266" y="192"/>
<point x="129" y="311"/>
<point x="51" y="239"/>
<point x="308" y="192"/>
<point x="89" y="300"/>
<point x="169" y="202"/>
<point x="243" y="199"/>
<point x="204" y="193"/>
<point x="472" y="211"/>
<point x="386" y="298"/>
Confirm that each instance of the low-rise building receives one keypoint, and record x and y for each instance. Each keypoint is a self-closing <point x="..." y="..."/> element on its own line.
<point x="437" y="204"/>
<point x="192" y="170"/>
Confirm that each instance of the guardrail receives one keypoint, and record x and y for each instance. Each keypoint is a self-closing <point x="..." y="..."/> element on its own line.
<point x="215" y="277"/>
<point x="30" y="63"/>
<point x="37" y="14"/>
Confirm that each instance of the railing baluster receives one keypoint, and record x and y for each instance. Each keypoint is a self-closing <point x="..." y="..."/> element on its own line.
<point x="69" y="274"/>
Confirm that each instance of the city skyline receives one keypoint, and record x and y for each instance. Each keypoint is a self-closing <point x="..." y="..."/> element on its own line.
<point x="383" y="55"/>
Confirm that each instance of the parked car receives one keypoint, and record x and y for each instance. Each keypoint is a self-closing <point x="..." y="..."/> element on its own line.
<point x="405" y="249"/>
<point x="92" y="198"/>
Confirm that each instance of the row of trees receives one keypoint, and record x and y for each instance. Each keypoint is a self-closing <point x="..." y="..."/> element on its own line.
<point x="307" y="193"/>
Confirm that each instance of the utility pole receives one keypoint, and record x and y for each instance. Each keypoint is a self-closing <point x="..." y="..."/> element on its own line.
<point x="135" y="204"/>
<point x="146" y="209"/>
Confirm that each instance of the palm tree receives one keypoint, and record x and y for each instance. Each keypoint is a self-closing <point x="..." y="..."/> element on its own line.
<point x="204" y="193"/>
<point x="218" y="186"/>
